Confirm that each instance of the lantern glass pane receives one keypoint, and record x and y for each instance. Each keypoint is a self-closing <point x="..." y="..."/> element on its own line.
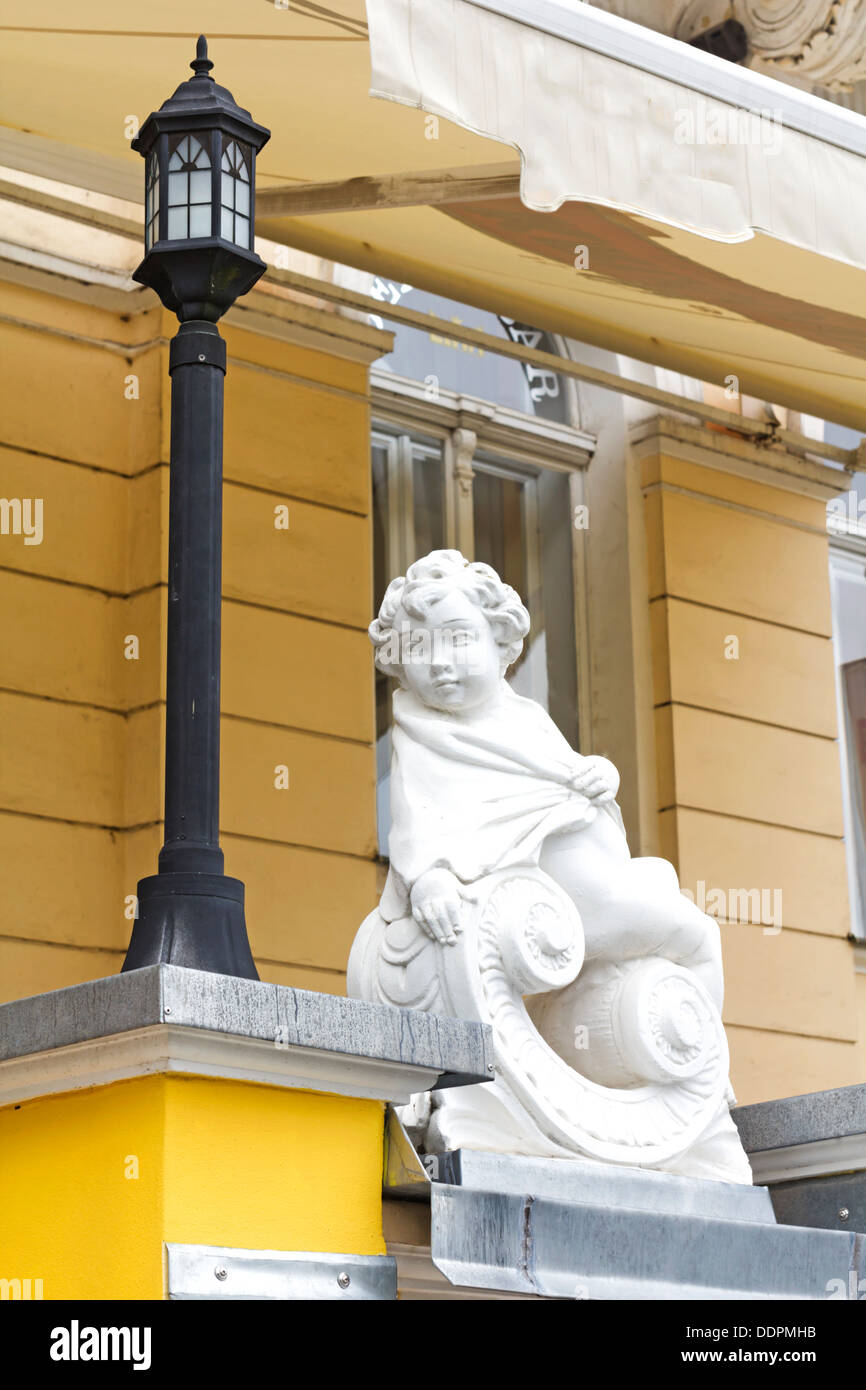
<point x="178" y="189"/>
<point x="151" y="200"/>
<point x="199" y="219"/>
<point x="199" y="186"/>
<point x="177" y="224"/>
<point x="235" y="193"/>
<point x="189" y="189"/>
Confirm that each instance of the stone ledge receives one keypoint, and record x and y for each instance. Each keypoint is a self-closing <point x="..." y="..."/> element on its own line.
<point x="775" y="1124"/>
<point x="274" y="1027"/>
<point x="813" y="1135"/>
<point x="764" y="462"/>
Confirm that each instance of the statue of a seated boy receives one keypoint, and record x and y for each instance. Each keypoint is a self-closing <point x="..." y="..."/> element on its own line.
<point x="484" y="785"/>
<point x="482" y="779"/>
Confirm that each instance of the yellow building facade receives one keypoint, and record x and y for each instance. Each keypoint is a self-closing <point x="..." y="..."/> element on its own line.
<point x="522" y="301"/>
<point x="704" y="659"/>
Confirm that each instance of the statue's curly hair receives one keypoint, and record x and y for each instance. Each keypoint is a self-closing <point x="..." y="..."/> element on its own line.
<point x="429" y="580"/>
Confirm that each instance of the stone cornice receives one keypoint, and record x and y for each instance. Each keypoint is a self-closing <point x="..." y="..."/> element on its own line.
<point x="766" y="463"/>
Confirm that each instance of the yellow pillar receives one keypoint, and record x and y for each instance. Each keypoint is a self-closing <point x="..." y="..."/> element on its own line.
<point x="97" y="1181"/>
<point x="748" y="779"/>
<point x="173" y="1108"/>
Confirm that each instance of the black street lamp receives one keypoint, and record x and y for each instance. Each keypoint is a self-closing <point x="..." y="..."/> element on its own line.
<point x="200" y="149"/>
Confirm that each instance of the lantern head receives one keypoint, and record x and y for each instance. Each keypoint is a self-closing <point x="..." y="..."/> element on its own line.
<point x="200" y="152"/>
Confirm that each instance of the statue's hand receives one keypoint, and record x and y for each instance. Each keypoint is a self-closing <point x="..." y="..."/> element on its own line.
<point x="598" y="779"/>
<point x="436" y="903"/>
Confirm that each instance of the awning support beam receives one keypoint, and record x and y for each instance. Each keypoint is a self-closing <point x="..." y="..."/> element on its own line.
<point x="757" y="430"/>
<point x="369" y="192"/>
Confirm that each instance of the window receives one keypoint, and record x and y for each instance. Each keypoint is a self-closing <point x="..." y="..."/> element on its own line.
<point x="443" y="363"/>
<point x="512" y="513"/>
<point x="846" y="522"/>
<point x="408" y="521"/>
<point x="189" y="189"/>
<point x="848" y="577"/>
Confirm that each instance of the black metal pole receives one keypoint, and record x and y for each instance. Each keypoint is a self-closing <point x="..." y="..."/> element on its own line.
<point x="190" y="913"/>
<point x="192" y="743"/>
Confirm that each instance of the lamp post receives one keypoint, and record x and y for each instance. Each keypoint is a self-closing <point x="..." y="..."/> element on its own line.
<point x="200" y="149"/>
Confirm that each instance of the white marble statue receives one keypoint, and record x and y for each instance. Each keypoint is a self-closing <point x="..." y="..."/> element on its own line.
<point x="512" y="898"/>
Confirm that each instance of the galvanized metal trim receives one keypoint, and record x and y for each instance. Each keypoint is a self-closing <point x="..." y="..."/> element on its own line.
<point x="525" y="1244"/>
<point x="820" y="1159"/>
<point x="587" y="1183"/>
<point x="403" y="1172"/>
<point x="205" y="1272"/>
<point x="835" y="1203"/>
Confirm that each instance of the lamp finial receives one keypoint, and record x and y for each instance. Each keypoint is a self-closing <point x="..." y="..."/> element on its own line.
<point x="201" y="63"/>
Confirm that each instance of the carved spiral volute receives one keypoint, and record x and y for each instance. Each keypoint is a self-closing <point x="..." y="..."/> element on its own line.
<point x="627" y="1024"/>
<point x="626" y="1063"/>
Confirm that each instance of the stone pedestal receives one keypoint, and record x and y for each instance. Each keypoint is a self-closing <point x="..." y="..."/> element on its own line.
<point x="176" y="1133"/>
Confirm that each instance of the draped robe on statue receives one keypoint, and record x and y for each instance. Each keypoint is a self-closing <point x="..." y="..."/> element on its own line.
<point x="478" y="792"/>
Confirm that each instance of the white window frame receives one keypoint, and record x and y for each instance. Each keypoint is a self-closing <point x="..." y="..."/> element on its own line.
<point x="848" y="557"/>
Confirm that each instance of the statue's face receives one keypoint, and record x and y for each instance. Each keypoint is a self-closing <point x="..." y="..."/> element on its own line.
<point x="451" y="660"/>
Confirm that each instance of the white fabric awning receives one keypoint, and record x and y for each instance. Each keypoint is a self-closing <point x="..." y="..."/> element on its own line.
<point x="607" y="112"/>
<point x="595" y="105"/>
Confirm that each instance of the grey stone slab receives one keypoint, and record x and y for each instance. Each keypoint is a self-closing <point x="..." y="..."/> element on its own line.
<point x="806" y="1119"/>
<point x="503" y="1241"/>
<point x="97" y="1008"/>
<point x="605" y="1185"/>
<point x="461" y="1052"/>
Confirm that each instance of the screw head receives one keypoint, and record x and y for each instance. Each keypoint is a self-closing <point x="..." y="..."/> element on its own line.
<point x="844" y="1213"/>
<point x="168" y="1009"/>
<point x="343" y="1280"/>
<point x="489" y="1066"/>
<point x="221" y="1272"/>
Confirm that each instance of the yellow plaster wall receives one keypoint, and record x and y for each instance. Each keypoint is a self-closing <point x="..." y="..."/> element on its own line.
<point x="860" y="990"/>
<point x="749" y="791"/>
<point x="81" y="772"/>
<point x="102" y="1177"/>
<point x="77" y="1222"/>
